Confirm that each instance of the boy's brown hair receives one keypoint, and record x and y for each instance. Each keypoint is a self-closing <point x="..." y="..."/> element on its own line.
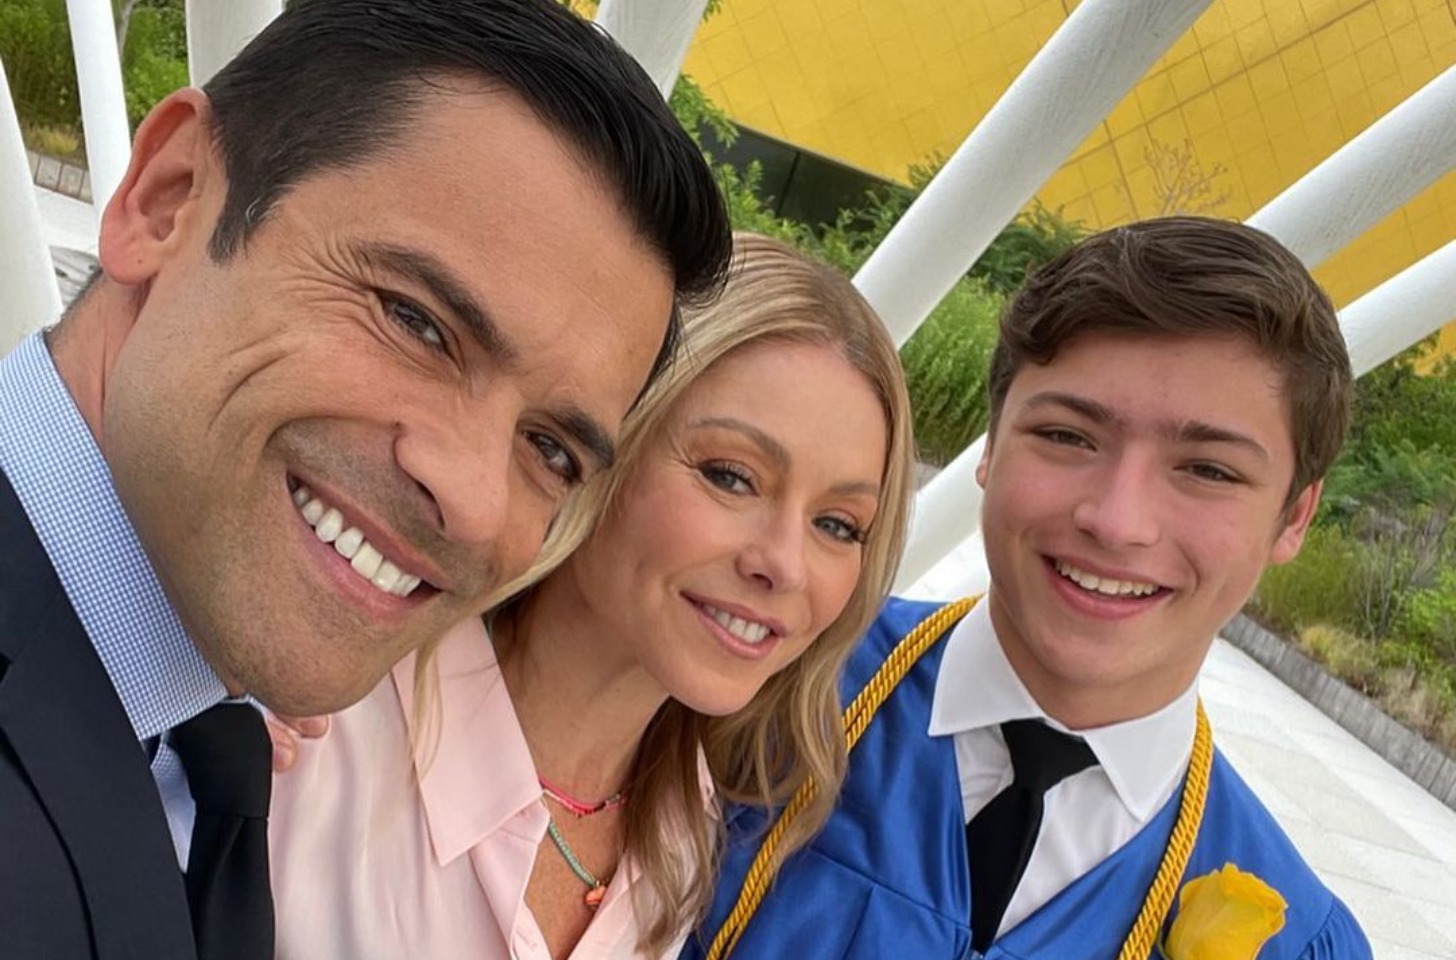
<point x="1192" y="277"/>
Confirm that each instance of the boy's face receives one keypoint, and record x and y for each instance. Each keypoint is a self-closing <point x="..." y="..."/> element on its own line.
<point x="1135" y="490"/>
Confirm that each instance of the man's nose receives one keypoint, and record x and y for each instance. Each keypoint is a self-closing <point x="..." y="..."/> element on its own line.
<point x="462" y="465"/>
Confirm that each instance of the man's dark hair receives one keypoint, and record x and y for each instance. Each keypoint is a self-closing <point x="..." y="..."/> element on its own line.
<point x="1193" y="277"/>
<point x="332" y="83"/>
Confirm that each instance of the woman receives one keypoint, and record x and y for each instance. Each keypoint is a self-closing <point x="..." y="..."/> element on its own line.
<point x="569" y="768"/>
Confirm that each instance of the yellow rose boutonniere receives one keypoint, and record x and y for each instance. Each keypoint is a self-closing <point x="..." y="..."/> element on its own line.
<point x="1224" y="915"/>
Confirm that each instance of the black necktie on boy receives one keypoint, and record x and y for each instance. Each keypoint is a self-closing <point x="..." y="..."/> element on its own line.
<point x="1000" y="838"/>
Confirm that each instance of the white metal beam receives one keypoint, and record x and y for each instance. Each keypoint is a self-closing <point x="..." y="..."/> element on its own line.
<point x="217" y="31"/>
<point x="27" y="274"/>
<point x="656" y="32"/>
<point x="1088" y="65"/>
<point x="1391" y="161"/>
<point x="103" y="100"/>
<point x="1403" y="310"/>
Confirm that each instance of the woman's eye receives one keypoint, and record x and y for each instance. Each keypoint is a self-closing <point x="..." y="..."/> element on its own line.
<point x="414" y="320"/>
<point x="728" y="477"/>
<point x="841" y="529"/>
<point x="557" y="458"/>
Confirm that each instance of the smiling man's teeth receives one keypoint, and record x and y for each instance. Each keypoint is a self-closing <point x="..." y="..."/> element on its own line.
<point x="349" y="543"/>
<point x="745" y="630"/>
<point x="1111" y="588"/>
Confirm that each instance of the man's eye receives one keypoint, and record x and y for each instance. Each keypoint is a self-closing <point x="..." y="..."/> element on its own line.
<point x="415" y="320"/>
<point x="727" y="477"/>
<point x="557" y="458"/>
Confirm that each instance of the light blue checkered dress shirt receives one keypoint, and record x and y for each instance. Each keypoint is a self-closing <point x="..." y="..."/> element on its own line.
<point x="53" y="463"/>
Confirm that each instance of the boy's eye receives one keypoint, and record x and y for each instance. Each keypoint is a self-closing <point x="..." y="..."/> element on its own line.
<point x="1064" y="437"/>
<point x="1213" y="472"/>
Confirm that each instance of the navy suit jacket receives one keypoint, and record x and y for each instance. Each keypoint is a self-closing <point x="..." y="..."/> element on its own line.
<point x="87" y="866"/>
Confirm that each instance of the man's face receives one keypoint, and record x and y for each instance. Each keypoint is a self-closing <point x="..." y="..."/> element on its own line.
<point x="1135" y="489"/>
<point x="434" y="345"/>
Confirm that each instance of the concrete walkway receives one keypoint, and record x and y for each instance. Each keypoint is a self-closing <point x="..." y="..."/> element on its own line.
<point x="1385" y="845"/>
<point x="1381" y="842"/>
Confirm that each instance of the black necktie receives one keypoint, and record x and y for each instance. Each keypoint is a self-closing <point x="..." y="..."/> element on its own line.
<point x="1000" y="838"/>
<point x="228" y="758"/>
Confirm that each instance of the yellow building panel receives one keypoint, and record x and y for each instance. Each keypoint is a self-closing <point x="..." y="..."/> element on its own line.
<point x="1223" y="60"/>
<point x="1301" y="60"/>
<point x="1265" y="88"/>
<point x="1256" y="41"/>
<point x="1333" y="44"/>
<point x="1364" y="23"/>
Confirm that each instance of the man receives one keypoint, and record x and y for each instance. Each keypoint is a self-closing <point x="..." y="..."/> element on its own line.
<point x="1040" y="783"/>
<point x="371" y="306"/>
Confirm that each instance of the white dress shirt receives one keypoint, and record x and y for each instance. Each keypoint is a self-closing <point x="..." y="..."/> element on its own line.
<point x="1090" y="815"/>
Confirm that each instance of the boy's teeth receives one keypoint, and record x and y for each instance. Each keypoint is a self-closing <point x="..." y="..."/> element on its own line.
<point x="1107" y="587"/>
<point x="329" y="526"/>
<point x="745" y="630"/>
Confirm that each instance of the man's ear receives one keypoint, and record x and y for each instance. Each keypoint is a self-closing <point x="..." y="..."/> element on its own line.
<point x="1295" y="524"/>
<point x="171" y="160"/>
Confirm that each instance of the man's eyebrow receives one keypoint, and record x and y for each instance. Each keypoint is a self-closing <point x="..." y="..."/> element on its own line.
<point x="768" y="444"/>
<point x="428" y="271"/>
<point x="589" y="433"/>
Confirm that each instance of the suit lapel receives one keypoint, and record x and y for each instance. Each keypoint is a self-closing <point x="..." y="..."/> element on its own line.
<point x="62" y="718"/>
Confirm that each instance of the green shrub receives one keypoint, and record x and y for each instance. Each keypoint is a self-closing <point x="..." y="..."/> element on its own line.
<point x="1348" y="656"/>
<point x="1428" y="619"/>
<point x="1317" y="587"/>
<point x="945" y="368"/>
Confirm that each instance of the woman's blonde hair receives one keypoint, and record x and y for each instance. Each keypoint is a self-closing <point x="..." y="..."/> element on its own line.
<point x="790" y="731"/>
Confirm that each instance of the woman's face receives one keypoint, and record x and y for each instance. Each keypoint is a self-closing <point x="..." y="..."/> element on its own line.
<point x="739" y="537"/>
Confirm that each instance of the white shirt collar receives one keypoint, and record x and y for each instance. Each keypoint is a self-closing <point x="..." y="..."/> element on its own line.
<point x="977" y="687"/>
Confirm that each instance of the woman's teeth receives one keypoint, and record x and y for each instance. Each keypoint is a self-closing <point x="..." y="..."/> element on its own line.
<point x="329" y="526"/>
<point x="745" y="630"/>
<point x="1111" y="588"/>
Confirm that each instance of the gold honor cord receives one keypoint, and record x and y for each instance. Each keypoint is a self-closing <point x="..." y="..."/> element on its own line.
<point x="857" y="717"/>
<point x="856" y="720"/>
<point x="1149" y="924"/>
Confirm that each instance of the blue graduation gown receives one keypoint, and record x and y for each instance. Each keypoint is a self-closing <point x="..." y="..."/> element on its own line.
<point x="887" y="877"/>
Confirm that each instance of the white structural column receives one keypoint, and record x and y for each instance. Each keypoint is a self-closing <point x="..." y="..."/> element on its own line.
<point x="656" y="32"/>
<point x="103" y="101"/>
<point x="27" y="274"/>
<point x="217" y="31"/>
<point x="1088" y="65"/>
<point x="1411" y="305"/>
<point x="1391" y="161"/>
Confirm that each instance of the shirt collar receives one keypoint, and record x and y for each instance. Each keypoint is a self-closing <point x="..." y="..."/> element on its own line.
<point x="471" y="729"/>
<point x="977" y="687"/>
<point x="66" y="489"/>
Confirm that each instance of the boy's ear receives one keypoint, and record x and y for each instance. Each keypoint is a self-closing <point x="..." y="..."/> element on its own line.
<point x="1295" y="524"/>
<point x="171" y="160"/>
